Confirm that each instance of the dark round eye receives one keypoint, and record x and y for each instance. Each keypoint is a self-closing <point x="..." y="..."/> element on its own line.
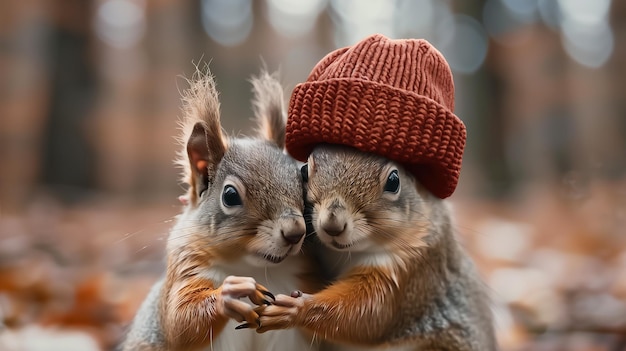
<point x="304" y="170"/>
<point x="230" y="197"/>
<point x="393" y="182"/>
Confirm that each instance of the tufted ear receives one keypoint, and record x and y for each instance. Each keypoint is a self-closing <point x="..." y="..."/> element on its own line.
<point x="269" y="108"/>
<point x="205" y="148"/>
<point x="202" y="140"/>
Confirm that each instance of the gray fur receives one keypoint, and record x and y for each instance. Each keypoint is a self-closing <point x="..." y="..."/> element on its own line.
<point x="453" y="312"/>
<point x="145" y="332"/>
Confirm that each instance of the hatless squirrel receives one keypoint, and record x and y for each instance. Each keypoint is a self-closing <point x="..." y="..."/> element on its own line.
<point x="238" y="234"/>
<point x="403" y="281"/>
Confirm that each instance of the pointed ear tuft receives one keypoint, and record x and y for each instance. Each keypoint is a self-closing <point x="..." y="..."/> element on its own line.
<point x="202" y="140"/>
<point x="205" y="150"/>
<point x="269" y="107"/>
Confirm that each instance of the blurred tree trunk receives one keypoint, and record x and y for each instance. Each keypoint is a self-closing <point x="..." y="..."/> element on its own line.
<point x="24" y="99"/>
<point x="67" y="155"/>
<point x="482" y="97"/>
<point x="617" y="83"/>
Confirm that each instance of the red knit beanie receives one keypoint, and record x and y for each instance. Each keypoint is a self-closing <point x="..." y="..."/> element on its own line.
<point x="394" y="98"/>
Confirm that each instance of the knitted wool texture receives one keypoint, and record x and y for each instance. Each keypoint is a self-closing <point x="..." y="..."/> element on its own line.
<point x="394" y="98"/>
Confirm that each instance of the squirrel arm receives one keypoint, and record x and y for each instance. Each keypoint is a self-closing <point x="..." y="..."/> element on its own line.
<point x="191" y="315"/>
<point x="358" y="308"/>
<point x="195" y="309"/>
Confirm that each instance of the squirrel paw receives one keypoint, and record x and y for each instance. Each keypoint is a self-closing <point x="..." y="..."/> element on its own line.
<point x="233" y="289"/>
<point x="282" y="314"/>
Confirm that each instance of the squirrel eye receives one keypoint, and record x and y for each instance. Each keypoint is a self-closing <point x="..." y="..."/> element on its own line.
<point x="230" y="197"/>
<point x="304" y="171"/>
<point x="393" y="182"/>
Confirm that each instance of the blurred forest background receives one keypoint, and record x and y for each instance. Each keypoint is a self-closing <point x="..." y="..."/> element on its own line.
<point x="90" y="96"/>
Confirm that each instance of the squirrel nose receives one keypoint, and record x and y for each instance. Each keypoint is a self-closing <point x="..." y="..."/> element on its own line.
<point x="293" y="230"/>
<point x="333" y="226"/>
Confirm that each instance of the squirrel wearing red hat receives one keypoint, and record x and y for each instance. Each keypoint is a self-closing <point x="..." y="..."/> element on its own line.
<point x="375" y="123"/>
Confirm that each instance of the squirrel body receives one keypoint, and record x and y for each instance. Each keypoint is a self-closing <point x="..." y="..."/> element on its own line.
<point x="239" y="235"/>
<point x="402" y="280"/>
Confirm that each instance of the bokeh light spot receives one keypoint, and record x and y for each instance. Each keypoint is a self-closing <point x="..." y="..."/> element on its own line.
<point x="468" y="48"/>
<point x="228" y="22"/>
<point x="357" y="19"/>
<point x="590" y="46"/>
<point x="294" y="18"/>
<point x="120" y="23"/>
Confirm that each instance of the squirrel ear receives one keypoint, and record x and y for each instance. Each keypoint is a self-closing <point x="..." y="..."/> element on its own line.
<point x="205" y="148"/>
<point x="269" y="108"/>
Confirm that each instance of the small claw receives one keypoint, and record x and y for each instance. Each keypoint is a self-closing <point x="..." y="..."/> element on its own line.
<point x="243" y="326"/>
<point x="267" y="302"/>
<point x="268" y="294"/>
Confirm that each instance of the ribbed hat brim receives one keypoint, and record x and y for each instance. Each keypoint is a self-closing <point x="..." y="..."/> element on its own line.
<point x="405" y="127"/>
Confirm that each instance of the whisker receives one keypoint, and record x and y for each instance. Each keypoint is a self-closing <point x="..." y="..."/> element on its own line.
<point x="142" y="248"/>
<point x="129" y="235"/>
